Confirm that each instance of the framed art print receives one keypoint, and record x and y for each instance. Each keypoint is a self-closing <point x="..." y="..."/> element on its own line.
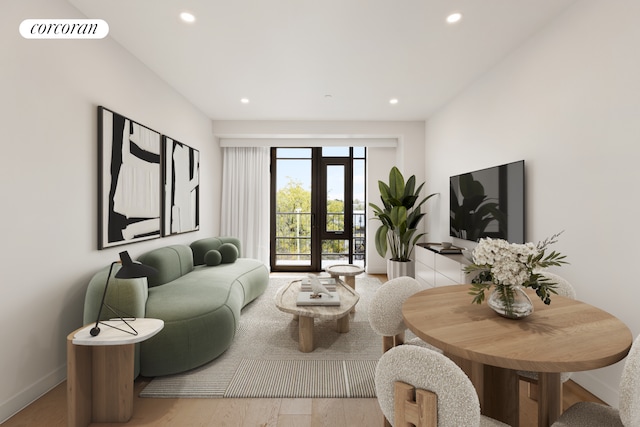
<point x="181" y="187"/>
<point x="129" y="180"/>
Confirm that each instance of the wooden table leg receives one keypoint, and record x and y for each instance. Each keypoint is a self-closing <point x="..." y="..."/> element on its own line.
<point x="99" y="383"/>
<point x="78" y="384"/>
<point x="350" y="281"/>
<point x="501" y="395"/>
<point x="305" y="334"/>
<point x="343" y="324"/>
<point x="475" y="372"/>
<point x="549" y="398"/>
<point x="112" y="390"/>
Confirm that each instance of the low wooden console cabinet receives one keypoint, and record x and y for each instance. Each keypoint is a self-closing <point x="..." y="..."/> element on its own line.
<point x="434" y="269"/>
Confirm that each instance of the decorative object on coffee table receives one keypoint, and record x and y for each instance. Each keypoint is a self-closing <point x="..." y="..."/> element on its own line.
<point x="318" y="288"/>
<point x="316" y="294"/>
<point x="286" y="301"/>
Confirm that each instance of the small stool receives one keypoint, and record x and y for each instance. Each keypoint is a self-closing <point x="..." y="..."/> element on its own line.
<point x="348" y="271"/>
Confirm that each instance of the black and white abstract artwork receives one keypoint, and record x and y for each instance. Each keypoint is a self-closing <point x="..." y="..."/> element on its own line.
<point x="129" y="180"/>
<point x="181" y="187"/>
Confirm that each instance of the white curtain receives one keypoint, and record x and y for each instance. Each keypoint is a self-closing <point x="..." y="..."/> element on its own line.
<point x="245" y="199"/>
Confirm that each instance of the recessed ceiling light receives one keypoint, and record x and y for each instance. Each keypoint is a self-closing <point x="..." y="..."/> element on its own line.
<point x="245" y="100"/>
<point x="454" y="17"/>
<point x="393" y="101"/>
<point x="187" y="17"/>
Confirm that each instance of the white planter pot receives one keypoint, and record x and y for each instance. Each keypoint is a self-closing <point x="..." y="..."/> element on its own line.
<point x="399" y="269"/>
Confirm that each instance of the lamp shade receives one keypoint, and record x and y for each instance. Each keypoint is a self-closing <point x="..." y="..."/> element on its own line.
<point x="129" y="270"/>
<point x="133" y="270"/>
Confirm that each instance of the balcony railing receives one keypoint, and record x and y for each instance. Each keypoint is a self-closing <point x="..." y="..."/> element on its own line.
<point x="293" y="238"/>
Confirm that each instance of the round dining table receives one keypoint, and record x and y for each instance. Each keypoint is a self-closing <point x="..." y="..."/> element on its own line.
<point x="565" y="336"/>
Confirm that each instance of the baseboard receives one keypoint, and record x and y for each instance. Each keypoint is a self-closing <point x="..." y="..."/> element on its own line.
<point x="12" y="406"/>
<point x="595" y="386"/>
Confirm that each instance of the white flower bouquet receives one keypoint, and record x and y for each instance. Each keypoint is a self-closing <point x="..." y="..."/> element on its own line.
<point x="506" y="265"/>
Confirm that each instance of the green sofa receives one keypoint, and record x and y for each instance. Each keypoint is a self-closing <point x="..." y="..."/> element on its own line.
<point x="200" y="304"/>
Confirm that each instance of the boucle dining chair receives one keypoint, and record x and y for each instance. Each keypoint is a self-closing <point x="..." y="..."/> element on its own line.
<point x="422" y="387"/>
<point x="385" y="312"/>
<point x="565" y="289"/>
<point x="591" y="414"/>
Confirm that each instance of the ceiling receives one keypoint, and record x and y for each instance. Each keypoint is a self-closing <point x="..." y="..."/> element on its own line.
<point x="321" y="59"/>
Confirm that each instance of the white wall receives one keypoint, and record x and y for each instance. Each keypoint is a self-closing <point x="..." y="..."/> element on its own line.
<point x="568" y="103"/>
<point x="407" y="156"/>
<point x="50" y="91"/>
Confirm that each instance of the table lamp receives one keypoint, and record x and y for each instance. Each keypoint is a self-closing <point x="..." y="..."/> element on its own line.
<point x="129" y="270"/>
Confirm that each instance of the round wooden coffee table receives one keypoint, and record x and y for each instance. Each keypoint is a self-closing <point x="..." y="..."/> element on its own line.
<point x="287" y="297"/>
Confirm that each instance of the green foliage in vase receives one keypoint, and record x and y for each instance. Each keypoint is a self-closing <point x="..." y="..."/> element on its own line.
<point x="400" y="215"/>
<point x="503" y="264"/>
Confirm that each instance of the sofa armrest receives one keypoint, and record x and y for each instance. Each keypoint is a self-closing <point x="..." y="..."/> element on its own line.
<point x="126" y="295"/>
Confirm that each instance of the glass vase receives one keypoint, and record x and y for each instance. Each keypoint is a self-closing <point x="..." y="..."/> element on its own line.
<point x="510" y="301"/>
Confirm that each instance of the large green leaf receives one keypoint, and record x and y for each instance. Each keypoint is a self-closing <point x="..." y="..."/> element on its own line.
<point x="381" y="240"/>
<point x="376" y="208"/>
<point x="410" y="187"/>
<point x="398" y="215"/>
<point x="396" y="183"/>
<point x="425" y="199"/>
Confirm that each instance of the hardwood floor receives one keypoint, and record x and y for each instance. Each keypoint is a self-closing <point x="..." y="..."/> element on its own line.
<point x="51" y="411"/>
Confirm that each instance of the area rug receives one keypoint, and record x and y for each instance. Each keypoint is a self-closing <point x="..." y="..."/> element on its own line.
<point x="264" y="361"/>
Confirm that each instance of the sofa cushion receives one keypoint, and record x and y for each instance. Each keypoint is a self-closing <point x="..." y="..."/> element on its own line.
<point x="202" y="246"/>
<point x="171" y="262"/>
<point x="212" y="258"/>
<point x="229" y="253"/>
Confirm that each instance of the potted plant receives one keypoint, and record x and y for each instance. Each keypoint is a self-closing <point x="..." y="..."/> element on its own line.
<point x="400" y="216"/>
<point x="509" y="267"/>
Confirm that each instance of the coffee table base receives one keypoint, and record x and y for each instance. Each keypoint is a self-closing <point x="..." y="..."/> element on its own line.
<point x="305" y="331"/>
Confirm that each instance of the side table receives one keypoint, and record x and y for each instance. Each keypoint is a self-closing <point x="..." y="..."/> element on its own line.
<point x="349" y="271"/>
<point x="100" y="372"/>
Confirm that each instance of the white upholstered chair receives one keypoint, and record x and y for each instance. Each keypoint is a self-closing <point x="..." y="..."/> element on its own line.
<point x="565" y="289"/>
<point x="590" y="414"/>
<point x="444" y="395"/>
<point x="385" y="312"/>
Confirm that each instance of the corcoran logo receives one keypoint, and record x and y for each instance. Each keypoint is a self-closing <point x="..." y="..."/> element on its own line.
<point x="64" y="29"/>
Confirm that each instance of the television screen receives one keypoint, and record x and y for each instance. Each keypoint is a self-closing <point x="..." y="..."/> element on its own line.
<point x="488" y="203"/>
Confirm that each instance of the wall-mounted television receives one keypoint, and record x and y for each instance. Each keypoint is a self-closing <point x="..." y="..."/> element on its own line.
<point x="488" y="203"/>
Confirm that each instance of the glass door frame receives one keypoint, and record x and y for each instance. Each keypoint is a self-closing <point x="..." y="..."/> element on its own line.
<point x="347" y="230"/>
<point x="318" y="213"/>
